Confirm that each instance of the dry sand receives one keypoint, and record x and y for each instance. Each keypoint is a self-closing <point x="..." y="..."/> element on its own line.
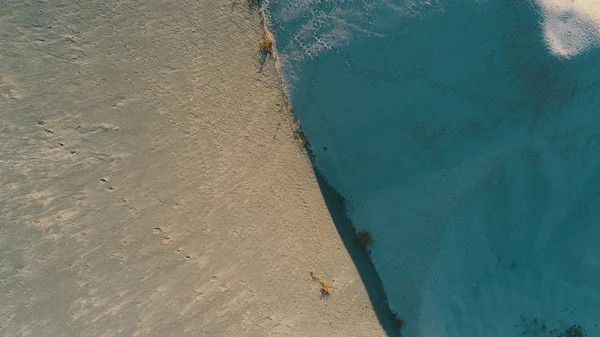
<point x="150" y="183"/>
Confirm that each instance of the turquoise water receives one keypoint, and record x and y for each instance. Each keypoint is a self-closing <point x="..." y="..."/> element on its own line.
<point x="467" y="149"/>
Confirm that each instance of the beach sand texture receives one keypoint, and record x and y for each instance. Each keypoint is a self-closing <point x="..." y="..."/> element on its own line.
<point x="151" y="185"/>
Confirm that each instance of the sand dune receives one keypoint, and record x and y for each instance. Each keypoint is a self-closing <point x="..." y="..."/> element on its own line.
<point x="151" y="185"/>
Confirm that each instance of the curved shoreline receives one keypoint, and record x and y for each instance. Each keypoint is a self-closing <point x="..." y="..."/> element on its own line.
<point x="335" y="204"/>
<point x="446" y="143"/>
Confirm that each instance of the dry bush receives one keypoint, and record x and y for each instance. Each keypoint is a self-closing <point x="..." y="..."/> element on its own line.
<point x="267" y="42"/>
<point x="325" y="288"/>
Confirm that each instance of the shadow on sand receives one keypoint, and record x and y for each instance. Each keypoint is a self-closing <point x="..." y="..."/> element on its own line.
<point x="335" y="204"/>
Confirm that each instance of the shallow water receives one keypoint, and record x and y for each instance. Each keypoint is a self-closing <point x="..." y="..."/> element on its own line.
<point x="466" y="147"/>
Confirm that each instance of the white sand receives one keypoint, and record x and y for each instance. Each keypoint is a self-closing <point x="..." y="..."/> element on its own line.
<point x="570" y="26"/>
<point x="150" y="185"/>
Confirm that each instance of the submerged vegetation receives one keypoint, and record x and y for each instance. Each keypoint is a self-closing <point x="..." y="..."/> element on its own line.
<point x="398" y="322"/>
<point x="540" y="327"/>
<point x="364" y="238"/>
<point x="299" y="135"/>
<point x="573" y="331"/>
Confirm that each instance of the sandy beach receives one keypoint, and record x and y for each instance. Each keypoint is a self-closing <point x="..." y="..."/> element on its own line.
<point x="151" y="184"/>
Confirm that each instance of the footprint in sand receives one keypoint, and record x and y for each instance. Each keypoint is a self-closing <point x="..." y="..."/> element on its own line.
<point x="104" y="181"/>
<point x="158" y="231"/>
<point x="187" y="256"/>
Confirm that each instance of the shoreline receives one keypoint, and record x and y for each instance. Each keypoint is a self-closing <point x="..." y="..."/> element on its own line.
<point x="449" y="191"/>
<point x="336" y="206"/>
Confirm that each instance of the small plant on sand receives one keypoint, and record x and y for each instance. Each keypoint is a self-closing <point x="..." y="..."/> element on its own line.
<point x="364" y="238"/>
<point x="325" y="288"/>
<point x="398" y="322"/>
<point x="266" y="43"/>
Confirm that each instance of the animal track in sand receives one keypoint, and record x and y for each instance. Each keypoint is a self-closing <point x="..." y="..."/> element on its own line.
<point x="158" y="231"/>
<point x="93" y="128"/>
<point x="50" y="133"/>
<point x="130" y="208"/>
<point x="187" y="256"/>
<point x="109" y="187"/>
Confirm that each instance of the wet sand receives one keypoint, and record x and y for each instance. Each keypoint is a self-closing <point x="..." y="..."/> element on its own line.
<point x="151" y="185"/>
